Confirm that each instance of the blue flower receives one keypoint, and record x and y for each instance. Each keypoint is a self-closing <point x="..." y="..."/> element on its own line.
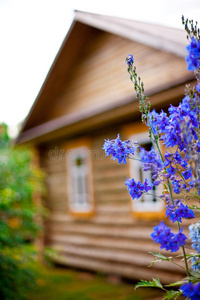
<point x="191" y="291"/>
<point x="177" y="212"/>
<point x="184" y="211"/>
<point x="158" y="230"/>
<point x="192" y="62"/>
<point x="168" y="240"/>
<point x="136" y="189"/>
<point x="182" y="122"/>
<point x="130" y="60"/>
<point x="195" y="236"/>
<point x="151" y="161"/>
<point x="198" y="87"/>
<point x="194" y="48"/>
<point x="179" y="239"/>
<point x="176" y="186"/>
<point x="192" y="58"/>
<point x="147" y="185"/>
<point x="195" y="263"/>
<point x="118" y="149"/>
<point x="158" y="122"/>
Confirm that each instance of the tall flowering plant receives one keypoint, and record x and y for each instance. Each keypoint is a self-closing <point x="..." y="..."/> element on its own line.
<point x="177" y="170"/>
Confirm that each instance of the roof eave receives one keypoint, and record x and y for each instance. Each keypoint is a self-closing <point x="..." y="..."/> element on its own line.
<point x="161" y="37"/>
<point x="40" y="133"/>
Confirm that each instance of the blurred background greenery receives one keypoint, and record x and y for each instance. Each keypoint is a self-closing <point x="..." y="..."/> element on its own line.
<point x="68" y="284"/>
<point x="20" y="181"/>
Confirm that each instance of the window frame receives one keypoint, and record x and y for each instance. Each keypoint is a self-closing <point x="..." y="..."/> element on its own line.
<point x="85" y="172"/>
<point x="138" y="208"/>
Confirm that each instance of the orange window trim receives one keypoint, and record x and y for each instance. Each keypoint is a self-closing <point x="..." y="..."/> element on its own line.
<point x="73" y="144"/>
<point x="128" y="131"/>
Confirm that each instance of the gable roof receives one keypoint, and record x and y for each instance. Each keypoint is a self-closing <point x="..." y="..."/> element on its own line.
<point x="84" y="24"/>
<point x="157" y="36"/>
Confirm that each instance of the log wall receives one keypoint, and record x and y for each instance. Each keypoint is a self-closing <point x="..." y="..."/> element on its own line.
<point x="112" y="240"/>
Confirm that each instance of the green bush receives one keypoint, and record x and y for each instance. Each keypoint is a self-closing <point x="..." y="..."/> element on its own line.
<point x="19" y="181"/>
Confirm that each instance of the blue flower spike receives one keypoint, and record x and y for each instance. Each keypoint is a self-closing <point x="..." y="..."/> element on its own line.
<point x="130" y="60"/>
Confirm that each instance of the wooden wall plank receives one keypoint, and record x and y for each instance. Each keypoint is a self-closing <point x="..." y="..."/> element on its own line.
<point x="101" y="76"/>
<point x="123" y="270"/>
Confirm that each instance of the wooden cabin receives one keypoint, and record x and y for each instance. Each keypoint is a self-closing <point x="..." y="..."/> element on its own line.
<point x="87" y="97"/>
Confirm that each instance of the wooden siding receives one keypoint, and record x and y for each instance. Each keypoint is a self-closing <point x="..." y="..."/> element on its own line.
<point x="101" y="79"/>
<point x="111" y="241"/>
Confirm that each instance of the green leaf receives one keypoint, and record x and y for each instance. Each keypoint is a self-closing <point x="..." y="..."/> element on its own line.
<point x="155" y="260"/>
<point x="172" y="295"/>
<point x="194" y="207"/>
<point x="160" y="256"/>
<point x="154" y="283"/>
<point x="158" y="283"/>
<point x="176" y="283"/>
<point x="143" y="283"/>
<point x="195" y="274"/>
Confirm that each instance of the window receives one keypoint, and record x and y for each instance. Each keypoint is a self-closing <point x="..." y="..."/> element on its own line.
<point x="151" y="202"/>
<point x="79" y="180"/>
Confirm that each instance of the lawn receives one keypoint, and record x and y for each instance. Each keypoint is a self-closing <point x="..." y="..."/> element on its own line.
<point x="64" y="284"/>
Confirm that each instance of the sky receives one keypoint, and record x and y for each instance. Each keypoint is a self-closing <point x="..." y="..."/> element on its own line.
<point x="32" y="31"/>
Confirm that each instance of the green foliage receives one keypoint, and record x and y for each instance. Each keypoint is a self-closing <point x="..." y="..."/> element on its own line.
<point x="172" y="295"/>
<point x="4" y="138"/>
<point x="19" y="180"/>
<point x="159" y="258"/>
<point x="154" y="283"/>
<point x="17" y="275"/>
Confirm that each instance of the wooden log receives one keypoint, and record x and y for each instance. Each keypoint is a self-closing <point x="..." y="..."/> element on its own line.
<point x="122" y="270"/>
<point x="142" y="246"/>
<point x="119" y="197"/>
<point x="99" y="230"/>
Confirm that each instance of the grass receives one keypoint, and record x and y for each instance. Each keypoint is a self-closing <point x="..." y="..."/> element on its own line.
<point x="65" y="284"/>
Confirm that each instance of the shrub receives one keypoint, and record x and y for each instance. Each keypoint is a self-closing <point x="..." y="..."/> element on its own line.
<point x="19" y="180"/>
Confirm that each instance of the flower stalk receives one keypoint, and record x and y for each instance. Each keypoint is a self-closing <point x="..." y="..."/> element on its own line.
<point x="178" y="170"/>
